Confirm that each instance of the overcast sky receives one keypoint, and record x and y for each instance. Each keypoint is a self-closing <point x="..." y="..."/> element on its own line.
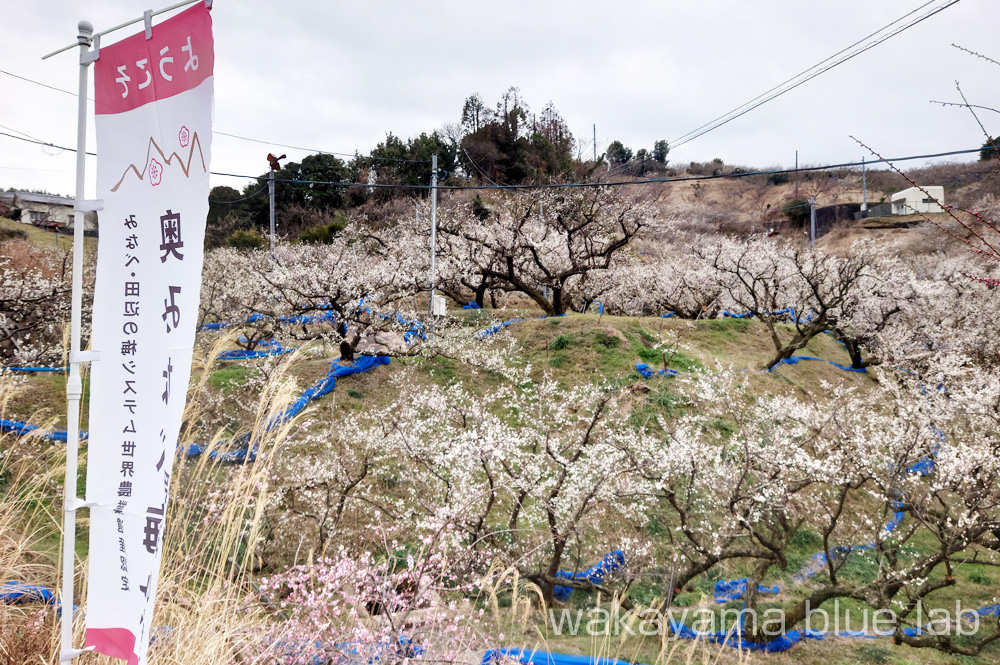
<point x="337" y="76"/>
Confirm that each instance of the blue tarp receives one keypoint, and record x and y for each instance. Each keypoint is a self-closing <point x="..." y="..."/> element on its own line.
<point x="647" y="371"/>
<point x="794" y="360"/>
<point x="19" y="428"/>
<point x="492" y="330"/>
<point x="494" y="656"/>
<point x="268" y="347"/>
<point x="732" y="638"/>
<point x="595" y="574"/>
<point x="18" y="593"/>
<point x="471" y="305"/>
<point x="727" y="590"/>
<point x="245" y="452"/>
<point x="297" y="318"/>
<point x="788" y="311"/>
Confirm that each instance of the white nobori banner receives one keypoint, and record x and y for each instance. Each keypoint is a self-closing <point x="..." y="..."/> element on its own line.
<point x="153" y="102"/>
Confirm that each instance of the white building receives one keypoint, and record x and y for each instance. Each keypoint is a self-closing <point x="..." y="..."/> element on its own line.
<point x="928" y="198"/>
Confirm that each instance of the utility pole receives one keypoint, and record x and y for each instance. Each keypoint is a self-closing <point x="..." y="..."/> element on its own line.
<point x="270" y="193"/>
<point x="796" y="174"/>
<point x="812" y="222"/>
<point x="864" y="188"/>
<point x="275" y="164"/>
<point x="434" y="204"/>
<point x="595" y="142"/>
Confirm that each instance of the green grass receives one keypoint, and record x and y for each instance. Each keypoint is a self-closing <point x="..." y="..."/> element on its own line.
<point x="874" y="654"/>
<point x="229" y="378"/>
<point x="561" y="342"/>
<point x="46" y="239"/>
<point x="606" y="340"/>
<point x="441" y="370"/>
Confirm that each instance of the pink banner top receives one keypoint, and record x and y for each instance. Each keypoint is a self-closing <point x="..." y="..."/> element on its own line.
<point x="137" y="71"/>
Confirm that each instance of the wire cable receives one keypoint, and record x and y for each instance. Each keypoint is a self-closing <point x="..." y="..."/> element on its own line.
<point x="785" y="87"/>
<point x="245" y="198"/>
<point x="648" y="181"/>
<point x="236" y="136"/>
<point x="569" y="185"/>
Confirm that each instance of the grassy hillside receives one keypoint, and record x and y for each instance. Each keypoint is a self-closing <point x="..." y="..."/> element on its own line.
<point x="45" y="240"/>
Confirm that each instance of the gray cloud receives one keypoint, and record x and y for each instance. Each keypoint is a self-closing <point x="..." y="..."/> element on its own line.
<point x="337" y="76"/>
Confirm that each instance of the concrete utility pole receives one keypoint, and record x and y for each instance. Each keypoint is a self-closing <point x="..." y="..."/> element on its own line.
<point x="812" y="222"/>
<point x="270" y="194"/>
<point x="434" y="208"/>
<point x="275" y="164"/>
<point x="864" y="188"/>
<point x="595" y="141"/>
<point x="796" y="174"/>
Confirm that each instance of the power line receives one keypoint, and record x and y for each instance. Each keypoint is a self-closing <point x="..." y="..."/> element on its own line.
<point x="625" y="183"/>
<point x="44" y="85"/>
<point x="235" y="136"/>
<point x="245" y="198"/>
<point x="44" y="143"/>
<point x="568" y="185"/>
<point x="322" y="152"/>
<point x="784" y="87"/>
<point x="800" y="74"/>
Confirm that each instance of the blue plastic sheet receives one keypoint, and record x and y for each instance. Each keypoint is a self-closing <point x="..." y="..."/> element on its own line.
<point x="471" y="305"/>
<point x="246" y="452"/>
<point x="732" y="638"/>
<point x="534" y="657"/>
<point x="794" y="360"/>
<point x="19" y="428"/>
<point x="648" y="372"/>
<point x="788" y="311"/>
<point x="492" y="330"/>
<point x="727" y="590"/>
<point x="595" y="574"/>
<point x="18" y="593"/>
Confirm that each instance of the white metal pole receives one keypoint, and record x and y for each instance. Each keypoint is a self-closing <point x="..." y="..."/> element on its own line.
<point x="434" y="208"/>
<point x="74" y="386"/>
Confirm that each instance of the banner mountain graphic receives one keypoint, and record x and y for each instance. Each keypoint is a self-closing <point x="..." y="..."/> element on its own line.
<point x="167" y="160"/>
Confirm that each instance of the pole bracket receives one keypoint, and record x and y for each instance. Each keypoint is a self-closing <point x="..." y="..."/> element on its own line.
<point x="76" y="503"/>
<point x="66" y="655"/>
<point x="85" y="357"/>
<point x="88" y="205"/>
<point x="94" y="54"/>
